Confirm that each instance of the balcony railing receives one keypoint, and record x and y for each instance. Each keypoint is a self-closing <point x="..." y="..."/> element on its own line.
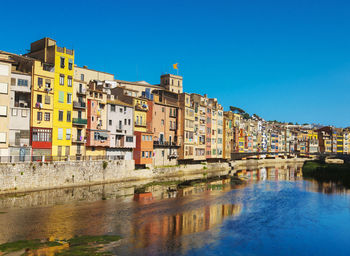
<point x="82" y="91"/>
<point x="139" y="124"/>
<point x="77" y="104"/>
<point x="79" y="121"/>
<point x="164" y="143"/>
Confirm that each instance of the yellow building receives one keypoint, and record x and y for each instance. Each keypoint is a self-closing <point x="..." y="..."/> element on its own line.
<point x="61" y="60"/>
<point x="228" y="135"/>
<point x="140" y="114"/>
<point x="62" y="100"/>
<point x="42" y="108"/>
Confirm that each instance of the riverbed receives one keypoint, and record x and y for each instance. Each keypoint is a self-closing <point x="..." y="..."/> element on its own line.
<point x="275" y="212"/>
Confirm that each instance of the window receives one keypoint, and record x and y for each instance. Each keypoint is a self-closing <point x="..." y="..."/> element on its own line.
<point x="125" y="121"/>
<point x="60" y="134"/>
<point x="129" y="121"/>
<point x="143" y="137"/>
<point x="70" y="64"/>
<point x="61" y="79"/>
<point x="41" y="135"/>
<point x="3" y="88"/>
<point x="13" y="81"/>
<point x="60" y="115"/>
<point x="150" y="154"/>
<point x="129" y="139"/>
<point x="82" y="77"/>
<point x="163" y="109"/>
<point x="162" y="121"/>
<point x="69" y="98"/>
<point x="40" y="82"/>
<point x="47" y="116"/>
<point x="110" y="122"/>
<point x="120" y="124"/>
<point x="39" y="116"/>
<point x="69" y="116"/>
<point x="61" y="97"/>
<point x="112" y="108"/>
<point x="14" y="112"/>
<point x="39" y="98"/>
<point x="120" y="110"/>
<point x="47" y="99"/>
<point x="68" y="133"/>
<point x="143" y="154"/>
<point x="70" y="81"/>
<point x="2" y="137"/>
<point x="137" y="119"/>
<point x="48" y="83"/>
<point x="3" y="110"/>
<point x="92" y="118"/>
<point x="62" y="62"/>
<point x="22" y="82"/>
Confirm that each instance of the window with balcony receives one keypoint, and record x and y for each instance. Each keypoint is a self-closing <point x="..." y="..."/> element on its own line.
<point x="61" y="79"/>
<point x="69" y="116"/>
<point x="40" y="82"/>
<point x="60" y="115"/>
<point x="39" y="98"/>
<point x="69" y="98"/>
<point x="70" y="64"/>
<point x="70" y="81"/>
<point x="68" y="134"/>
<point x="62" y="62"/>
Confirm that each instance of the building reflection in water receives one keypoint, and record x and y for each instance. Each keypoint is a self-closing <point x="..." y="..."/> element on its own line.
<point x="288" y="173"/>
<point x="325" y="187"/>
<point x="161" y="233"/>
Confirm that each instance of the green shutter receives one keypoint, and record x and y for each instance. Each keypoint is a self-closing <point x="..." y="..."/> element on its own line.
<point x="61" y="97"/>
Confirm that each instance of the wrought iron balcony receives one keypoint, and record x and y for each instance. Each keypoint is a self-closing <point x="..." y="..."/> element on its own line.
<point x="79" y="121"/>
<point x="77" y="104"/>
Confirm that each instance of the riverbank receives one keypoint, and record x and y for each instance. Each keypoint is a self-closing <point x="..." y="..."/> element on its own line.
<point x="27" y="177"/>
<point x="327" y="172"/>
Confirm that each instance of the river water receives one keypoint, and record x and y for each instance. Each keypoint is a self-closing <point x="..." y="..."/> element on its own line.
<point x="275" y="212"/>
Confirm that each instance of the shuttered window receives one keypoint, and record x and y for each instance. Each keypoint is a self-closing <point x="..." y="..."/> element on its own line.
<point x="61" y="97"/>
<point x="3" y="110"/>
<point x="2" y="137"/>
<point x="4" y="70"/>
<point x="60" y="133"/>
<point x="3" y="88"/>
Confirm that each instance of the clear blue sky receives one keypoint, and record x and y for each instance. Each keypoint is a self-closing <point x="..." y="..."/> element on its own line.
<point x="284" y="60"/>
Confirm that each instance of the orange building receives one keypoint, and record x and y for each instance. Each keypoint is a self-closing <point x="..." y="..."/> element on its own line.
<point x="143" y="153"/>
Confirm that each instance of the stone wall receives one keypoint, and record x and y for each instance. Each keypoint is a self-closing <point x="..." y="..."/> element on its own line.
<point x="19" y="177"/>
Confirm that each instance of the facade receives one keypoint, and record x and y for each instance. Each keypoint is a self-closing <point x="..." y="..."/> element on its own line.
<point x="120" y="125"/>
<point x="187" y="130"/>
<point x="228" y="136"/>
<point x="143" y="152"/>
<point x="199" y="148"/>
<point x="97" y="134"/>
<point x="61" y="62"/>
<point x="5" y="80"/>
<point x="19" y="125"/>
<point x="82" y="77"/>
<point x="164" y="124"/>
<point x="172" y="83"/>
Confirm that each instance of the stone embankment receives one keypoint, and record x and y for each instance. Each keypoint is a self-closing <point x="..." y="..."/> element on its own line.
<point x="25" y="177"/>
